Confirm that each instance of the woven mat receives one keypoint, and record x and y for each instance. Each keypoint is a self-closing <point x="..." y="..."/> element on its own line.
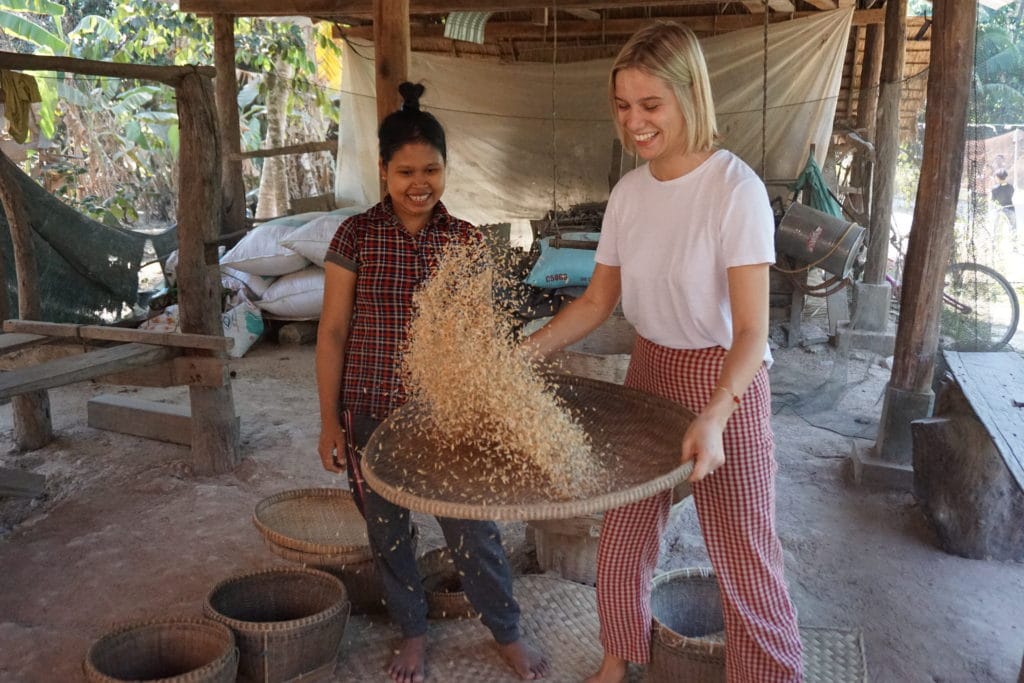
<point x="560" y="617"/>
<point x="635" y="439"/>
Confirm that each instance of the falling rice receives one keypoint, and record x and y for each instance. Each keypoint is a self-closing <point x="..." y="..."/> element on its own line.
<point x="480" y="392"/>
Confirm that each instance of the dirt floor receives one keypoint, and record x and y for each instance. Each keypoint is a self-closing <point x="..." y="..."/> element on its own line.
<point x="125" y="531"/>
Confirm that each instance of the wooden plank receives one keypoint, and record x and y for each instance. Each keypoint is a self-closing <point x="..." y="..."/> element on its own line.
<point x="298" y="148"/>
<point x="20" y="483"/>
<point x="757" y="6"/>
<point x="57" y="373"/>
<point x="208" y="342"/>
<point x="201" y="371"/>
<point x="823" y="4"/>
<point x="993" y="384"/>
<point x="170" y="75"/>
<point x="139" y="417"/>
<point x="14" y="342"/>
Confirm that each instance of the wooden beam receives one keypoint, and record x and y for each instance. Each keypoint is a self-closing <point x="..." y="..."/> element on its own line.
<point x="823" y="4"/>
<point x="364" y="8"/>
<point x="226" y="86"/>
<point x="57" y="373"/>
<point x="298" y="148"/>
<point x="20" y="483"/>
<point x="586" y="14"/>
<point x="391" y="53"/>
<point x="201" y="371"/>
<point x="139" y="417"/>
<point x="709" y="24"/>
<point x="120" y="334"/>
<point x="13" y="342"/>
<point x="171" y="75"/>
<point x="757" y="6"/>
<point x="215" y="432"/>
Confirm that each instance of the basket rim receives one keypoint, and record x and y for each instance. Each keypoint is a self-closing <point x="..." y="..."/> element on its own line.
<point x="667" y="636"/>
<point x="297" y="543"/>
<point x="319" y="559"/>
<point x="274" y="626"/>
<point x="453" y="604"/>
<point x="122" y="629"/>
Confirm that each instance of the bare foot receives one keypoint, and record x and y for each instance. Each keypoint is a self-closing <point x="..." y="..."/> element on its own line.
<point x="613" y="670"/>
<point x="409" y="665"/>
<point x="529" y="664"/>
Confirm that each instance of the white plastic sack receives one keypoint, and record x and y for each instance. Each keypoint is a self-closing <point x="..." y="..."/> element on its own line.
<point x="244" y="324"/>
<point x="297" y="296"/>
<point x="232" y="279"/>
<point x="313" y="238"/>
<point x="260" y="251"/>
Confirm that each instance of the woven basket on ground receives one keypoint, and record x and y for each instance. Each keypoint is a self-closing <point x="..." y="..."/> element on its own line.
<point x="168" y="650"/>
<point x="322" y="521"/>
<point x="636" y="440"/>
<point x="568" y="547"/>
<point x="686" y="608"/>
<point x="287" y="622"/>
<point x="443" y="586"/>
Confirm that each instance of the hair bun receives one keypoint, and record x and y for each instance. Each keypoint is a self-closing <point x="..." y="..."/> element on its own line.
<point x="411" y="93"/>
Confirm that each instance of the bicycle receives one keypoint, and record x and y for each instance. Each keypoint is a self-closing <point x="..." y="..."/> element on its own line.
<point x="980" y="309"/>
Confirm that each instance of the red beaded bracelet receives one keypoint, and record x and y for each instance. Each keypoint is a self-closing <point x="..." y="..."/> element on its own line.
<point x="735" y="398"/>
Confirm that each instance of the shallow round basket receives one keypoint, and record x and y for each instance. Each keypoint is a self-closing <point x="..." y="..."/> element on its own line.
<point x="166" y="650"/>
<point x="287" y="622"/>
<point x="324" y="521"/>
<point x="443" y="586"/>
<point x="635" y="439"/>
<point x="686" y="635"/>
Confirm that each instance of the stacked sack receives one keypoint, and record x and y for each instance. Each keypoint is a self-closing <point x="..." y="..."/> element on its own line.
<point x="281" y="263"/>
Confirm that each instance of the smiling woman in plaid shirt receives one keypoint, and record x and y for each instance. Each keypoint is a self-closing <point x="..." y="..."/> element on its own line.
<point x="686" y="243"/>
<point x="374" y="264"/>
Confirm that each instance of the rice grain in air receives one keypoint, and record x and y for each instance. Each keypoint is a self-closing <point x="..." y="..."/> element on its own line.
<point x="480" y="392"/>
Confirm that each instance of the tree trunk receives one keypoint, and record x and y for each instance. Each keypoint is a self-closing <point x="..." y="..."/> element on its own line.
<point x="273" y="197"/>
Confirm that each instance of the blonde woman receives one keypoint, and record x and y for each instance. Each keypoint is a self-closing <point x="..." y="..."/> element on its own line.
<point x="686" y="243"/>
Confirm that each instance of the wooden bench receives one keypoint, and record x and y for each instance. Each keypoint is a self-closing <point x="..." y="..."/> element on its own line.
<point x="969" y="457"/>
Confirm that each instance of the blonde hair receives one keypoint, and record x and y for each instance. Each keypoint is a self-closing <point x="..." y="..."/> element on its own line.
<point x="670" y="51"/>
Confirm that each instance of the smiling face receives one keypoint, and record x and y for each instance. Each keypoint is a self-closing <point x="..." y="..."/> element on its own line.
<point x="649" y="115"/>
<point x="415" y="181"/>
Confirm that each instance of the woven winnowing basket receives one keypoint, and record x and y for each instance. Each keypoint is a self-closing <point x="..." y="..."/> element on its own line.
<point x="438" y="571"/>
<point x="287" y="622"/>
<point x="168" y="650"/>
<point x="321" y="521"/>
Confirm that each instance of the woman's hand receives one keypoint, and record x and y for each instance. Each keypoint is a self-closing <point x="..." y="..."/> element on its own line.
<point x="702" y="443"/>
<point x="332" y="447"/>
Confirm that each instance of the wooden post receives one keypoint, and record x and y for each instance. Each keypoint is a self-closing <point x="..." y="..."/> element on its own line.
<point x="32" y="425"/>
<point x="391" y="48"/>
<point x="949" y="82"/>
<point x="867" y="111"/>
<point x="226" y="83"/>
<point x="214" y="428"/>
<point x="887" y="141"/>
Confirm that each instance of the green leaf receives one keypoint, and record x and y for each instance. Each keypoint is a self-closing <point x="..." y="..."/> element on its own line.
<point x="97" y="28"/>
<point x="31" y="32"/>
<point x="161" y="117"/>
<point x="52" y="9"/>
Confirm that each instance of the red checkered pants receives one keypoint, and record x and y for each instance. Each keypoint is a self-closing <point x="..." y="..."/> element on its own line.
<point x="736" y="509"/>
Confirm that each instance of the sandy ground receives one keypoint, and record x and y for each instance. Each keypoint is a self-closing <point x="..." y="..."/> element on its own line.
<point x="125" y="531"/>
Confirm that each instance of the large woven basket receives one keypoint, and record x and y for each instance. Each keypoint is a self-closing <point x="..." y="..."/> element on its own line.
<point x="167" y="650"/>
<point x="443" y="586"/>
<point x="287" y="622"/>
<point x="686" y="607"/>
<point x="568" y="547"/>
<point x="322" y="521"/>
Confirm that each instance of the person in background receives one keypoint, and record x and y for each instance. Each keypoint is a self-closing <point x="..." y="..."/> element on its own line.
<point x="1002" y="195"/>
<point x="686" y="242"/>
<point x="374" y="263"/>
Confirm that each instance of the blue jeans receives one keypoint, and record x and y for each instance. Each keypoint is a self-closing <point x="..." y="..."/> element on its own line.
<point x="476" y="551"/>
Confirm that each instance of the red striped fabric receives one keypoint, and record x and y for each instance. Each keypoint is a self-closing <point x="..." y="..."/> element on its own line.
<point x="736" y="509"/>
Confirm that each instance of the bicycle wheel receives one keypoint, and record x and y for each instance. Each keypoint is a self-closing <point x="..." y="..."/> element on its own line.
<point x="980" y="310"/>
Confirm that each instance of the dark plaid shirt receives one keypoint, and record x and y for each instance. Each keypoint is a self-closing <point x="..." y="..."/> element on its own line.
<point x="390" y="264"/>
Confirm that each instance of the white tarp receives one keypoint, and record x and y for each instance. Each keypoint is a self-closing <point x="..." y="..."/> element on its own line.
<point x="509" y="158"/>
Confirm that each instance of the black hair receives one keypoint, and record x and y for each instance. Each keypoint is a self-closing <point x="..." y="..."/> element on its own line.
<point x="410" y="125"/>
<point x="1001" y="174"/>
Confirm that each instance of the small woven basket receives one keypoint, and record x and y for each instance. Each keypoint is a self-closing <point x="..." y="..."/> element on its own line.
<point x="320" y="521"/>
<point x="686" y="609"/>
<point x="568" y="547"/>
<point x="287" y="622"/>
<point x="443" y="586"/>
<point x="167" y="650"/>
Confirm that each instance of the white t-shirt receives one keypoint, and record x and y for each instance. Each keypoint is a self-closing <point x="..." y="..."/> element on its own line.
<point x="674" y="240"/>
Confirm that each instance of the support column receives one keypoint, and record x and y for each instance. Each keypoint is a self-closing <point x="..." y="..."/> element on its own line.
<point x="226" y="83"/>
<point x="908" y="395"/>
<point x="214" y="427"/>
<point x="391" y="43"/>
<point x="33" y="427"/>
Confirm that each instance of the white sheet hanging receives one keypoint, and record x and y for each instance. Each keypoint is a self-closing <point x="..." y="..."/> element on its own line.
<point x="506" y="149"/>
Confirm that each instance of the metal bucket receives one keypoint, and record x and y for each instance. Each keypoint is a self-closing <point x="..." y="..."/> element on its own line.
<point x="813" y="237"/>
